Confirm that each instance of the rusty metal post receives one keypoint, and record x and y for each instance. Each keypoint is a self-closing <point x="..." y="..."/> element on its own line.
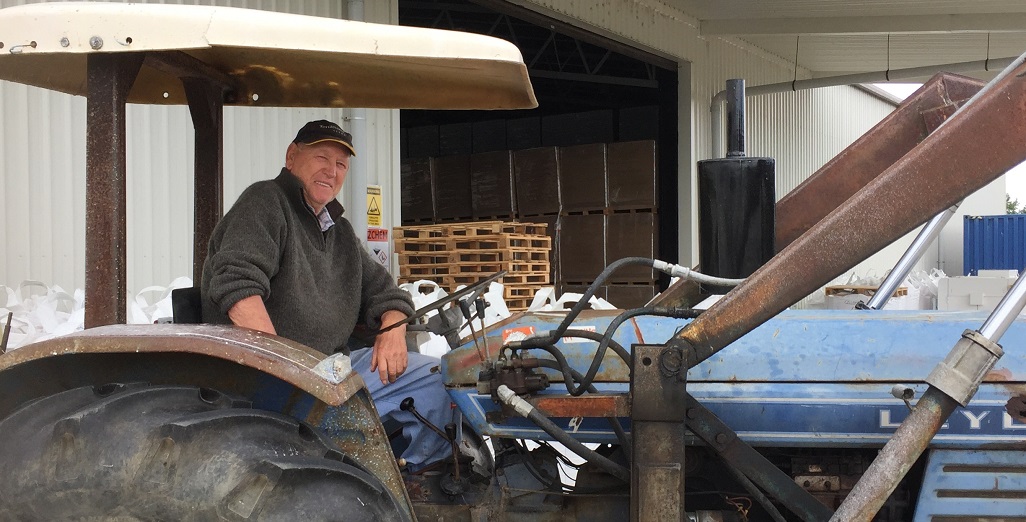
<point x="110" y="78"/>
<point x="657" y="427"/>
<point x="206" y="104"/>
<point x="976" y="146"/>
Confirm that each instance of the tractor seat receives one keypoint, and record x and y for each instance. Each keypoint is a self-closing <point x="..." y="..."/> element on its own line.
<point x="187" y="305"/>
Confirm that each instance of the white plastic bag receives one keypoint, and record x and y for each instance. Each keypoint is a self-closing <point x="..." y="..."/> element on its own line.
<point x="544" y="302"/>
<point x="142" y="311"/>
<point x="41" y="312"/>
<point x="425" y="292"/>
<point x="494" y="312"/>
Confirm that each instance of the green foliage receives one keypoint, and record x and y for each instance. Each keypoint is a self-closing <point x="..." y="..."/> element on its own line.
<point x="1012" y="206"/>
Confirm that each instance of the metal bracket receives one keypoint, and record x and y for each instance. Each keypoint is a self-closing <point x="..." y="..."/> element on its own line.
<point x="657" y="426"/>
<point x="960" y="373"/>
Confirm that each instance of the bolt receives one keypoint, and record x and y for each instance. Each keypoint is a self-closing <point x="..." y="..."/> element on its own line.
<point x="691" y="413"/>
<point x="65" y="42"/>
<point x="807" y="483"/>
<point x="96" y="42"/>
<point x="826" y="485"/>
<point x="721" y="438"/>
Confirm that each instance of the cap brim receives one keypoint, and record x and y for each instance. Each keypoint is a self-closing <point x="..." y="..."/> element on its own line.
<point x="340" y="142"/>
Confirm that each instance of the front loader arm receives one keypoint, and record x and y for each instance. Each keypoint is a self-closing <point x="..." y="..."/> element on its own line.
<point x="978" y="144"/>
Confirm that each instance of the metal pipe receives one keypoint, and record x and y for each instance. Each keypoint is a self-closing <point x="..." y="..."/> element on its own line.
<point x="735" y="118"/>
<point x="896" y="457"/>
<point x="911" y="256"/>
<point x="1006" y="311"/>
<point x="848" y="79"/>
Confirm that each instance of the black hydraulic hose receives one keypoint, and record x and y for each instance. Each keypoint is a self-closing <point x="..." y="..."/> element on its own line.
<point x="607" y="338"/>
<point x="525" y="409"/>
<point x="576" y="310"/>
<point x="564" y="366"/>
<point x="621" y="435"/>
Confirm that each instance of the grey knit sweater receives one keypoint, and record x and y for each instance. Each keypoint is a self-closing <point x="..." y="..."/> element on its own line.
<point x="316" y="285"/>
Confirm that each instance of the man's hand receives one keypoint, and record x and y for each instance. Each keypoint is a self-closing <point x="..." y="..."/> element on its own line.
<point x="389" y="356"/>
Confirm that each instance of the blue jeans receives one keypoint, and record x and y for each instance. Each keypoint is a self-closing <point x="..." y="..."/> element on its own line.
<point x="431" y="400"/>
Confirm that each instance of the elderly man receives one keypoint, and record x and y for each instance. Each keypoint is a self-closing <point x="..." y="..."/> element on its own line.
<point x="284" y="261"/>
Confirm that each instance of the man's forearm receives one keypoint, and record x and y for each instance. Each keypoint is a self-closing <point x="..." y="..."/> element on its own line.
<point x="250" y="312"/>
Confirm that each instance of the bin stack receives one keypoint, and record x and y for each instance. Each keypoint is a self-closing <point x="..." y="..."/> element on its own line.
<point x="456" y="254"/>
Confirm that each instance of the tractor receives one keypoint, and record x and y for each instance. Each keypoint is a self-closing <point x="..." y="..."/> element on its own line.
<point x="742" y="411"/>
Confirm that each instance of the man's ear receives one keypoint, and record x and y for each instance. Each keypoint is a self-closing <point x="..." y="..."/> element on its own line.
<point x="290" y="155"/>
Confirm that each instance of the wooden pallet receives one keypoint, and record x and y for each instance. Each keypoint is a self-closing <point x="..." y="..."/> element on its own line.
<point x="421" y="245"/>
<point x="861" y="289"/>
<point x="521" y="291"/>
<point x="479" y="228"/>
<point x="511" y="255"/>
<point x="455" y="254"/>
<point x="499" y="242"/>
<point x="482" y="269"/>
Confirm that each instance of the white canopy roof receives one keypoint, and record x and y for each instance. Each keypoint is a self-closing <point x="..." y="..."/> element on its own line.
<point x="273" y="59"/>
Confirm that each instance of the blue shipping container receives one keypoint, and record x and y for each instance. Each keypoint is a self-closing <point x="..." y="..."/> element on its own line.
<point x="994" y="243"/>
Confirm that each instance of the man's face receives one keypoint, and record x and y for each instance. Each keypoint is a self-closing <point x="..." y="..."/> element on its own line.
<point x="321" y="168"/>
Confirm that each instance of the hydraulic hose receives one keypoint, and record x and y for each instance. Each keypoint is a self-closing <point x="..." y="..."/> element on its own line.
<point x="621" y="435"/>
<point x="526" y="410"/>
<point x="668" y="268"/>
<point x="576" y="310"/>
<point x="607" y="338"/>
<point x="686" y="273"/>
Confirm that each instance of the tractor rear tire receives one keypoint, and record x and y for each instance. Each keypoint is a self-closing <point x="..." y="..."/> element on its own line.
<point x="141" y="452"/>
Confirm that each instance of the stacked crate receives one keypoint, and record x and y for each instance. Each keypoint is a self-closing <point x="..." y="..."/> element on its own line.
<point x="464" y="253"/>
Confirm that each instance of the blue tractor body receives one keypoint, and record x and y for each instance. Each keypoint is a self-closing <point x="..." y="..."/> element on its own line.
<point x="810" y="381"/>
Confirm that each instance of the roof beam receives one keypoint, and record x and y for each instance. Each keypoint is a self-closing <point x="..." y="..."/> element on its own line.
<point x="954" y="23"/>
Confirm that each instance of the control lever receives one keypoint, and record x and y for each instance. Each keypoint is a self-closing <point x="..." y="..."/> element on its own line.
<point x="456" y="486"/>
<point x="481" y="305"/>
<point x="7" y="333"/>
<point x="408" y="405"/>
<point x="465" y="308"/>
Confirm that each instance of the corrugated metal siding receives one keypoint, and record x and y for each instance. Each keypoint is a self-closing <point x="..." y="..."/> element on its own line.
<point x="42" y="153"/>
<point x="994" y="243"/>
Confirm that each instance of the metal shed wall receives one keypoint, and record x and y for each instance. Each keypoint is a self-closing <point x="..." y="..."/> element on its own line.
<point x="42" y="182"/>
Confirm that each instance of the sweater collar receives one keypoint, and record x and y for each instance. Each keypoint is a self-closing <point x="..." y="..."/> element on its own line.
<point x="294" y="189"/>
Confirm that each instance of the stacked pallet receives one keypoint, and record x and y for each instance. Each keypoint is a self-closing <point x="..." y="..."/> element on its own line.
<point x="458" y="254"/>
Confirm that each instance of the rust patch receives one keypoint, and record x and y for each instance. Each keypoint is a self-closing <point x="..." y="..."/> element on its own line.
<point x="593" y="405"/>
<point x="637" y="331"/>
<point x="1000" y="374"/>
<point x="1016" y="407"/>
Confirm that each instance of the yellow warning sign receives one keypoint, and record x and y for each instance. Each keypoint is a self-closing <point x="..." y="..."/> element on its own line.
<point x="374" y="205"/>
